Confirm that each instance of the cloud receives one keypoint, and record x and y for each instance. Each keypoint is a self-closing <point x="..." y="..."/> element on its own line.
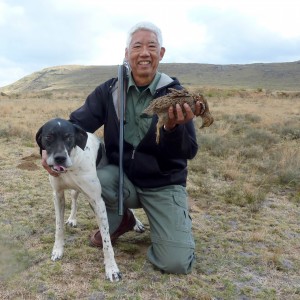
<point x="10" y="69"/>
<point x="228" y="37"/>
<point x="35" y="35"/>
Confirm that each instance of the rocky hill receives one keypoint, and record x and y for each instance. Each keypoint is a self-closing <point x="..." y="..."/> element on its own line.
<point x="273" y="76"/>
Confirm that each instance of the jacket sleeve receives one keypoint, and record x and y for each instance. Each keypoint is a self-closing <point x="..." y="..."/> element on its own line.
<point x="180" y="142"/>
<point x="91" y="115"/>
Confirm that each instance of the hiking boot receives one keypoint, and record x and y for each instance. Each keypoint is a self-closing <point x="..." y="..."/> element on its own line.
<point x="127" y="224"/>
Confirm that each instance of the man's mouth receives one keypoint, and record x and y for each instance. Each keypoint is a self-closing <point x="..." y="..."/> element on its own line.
<point x="145" y="62"/>
<point x="59" y="169"/>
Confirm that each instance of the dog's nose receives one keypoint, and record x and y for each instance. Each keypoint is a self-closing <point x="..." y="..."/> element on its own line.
<point x="60" y="159"/>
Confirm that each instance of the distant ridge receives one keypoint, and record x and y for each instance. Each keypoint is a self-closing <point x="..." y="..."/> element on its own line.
<point x="274" y="76"/>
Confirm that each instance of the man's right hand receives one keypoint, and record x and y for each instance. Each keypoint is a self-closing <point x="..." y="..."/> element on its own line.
<point x="46" y="166"/>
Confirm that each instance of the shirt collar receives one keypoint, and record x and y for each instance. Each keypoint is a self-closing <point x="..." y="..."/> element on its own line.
<point x="151" y="87"/>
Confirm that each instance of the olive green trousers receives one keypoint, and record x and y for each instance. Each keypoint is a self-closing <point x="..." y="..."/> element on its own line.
<point x="172" y="248"/>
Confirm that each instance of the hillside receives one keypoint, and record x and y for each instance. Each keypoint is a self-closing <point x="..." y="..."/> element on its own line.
<point x="274" y="76"/>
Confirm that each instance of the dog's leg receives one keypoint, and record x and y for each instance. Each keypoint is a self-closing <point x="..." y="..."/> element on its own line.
<point x="72" y="221"/>
<point x="139" y="226"/>
<point x="111" y="269"/>
<point x="59" y="205"/>
<point x="94" y="195"/>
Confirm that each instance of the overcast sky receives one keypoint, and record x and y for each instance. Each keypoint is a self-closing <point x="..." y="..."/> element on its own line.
<point x="35" y="34"/>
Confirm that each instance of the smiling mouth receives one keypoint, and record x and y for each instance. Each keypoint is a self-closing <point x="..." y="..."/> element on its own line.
<point x="144" y="63"/>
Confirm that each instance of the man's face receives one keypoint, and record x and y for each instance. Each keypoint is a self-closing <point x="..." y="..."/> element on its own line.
<point x="143" y="55"/>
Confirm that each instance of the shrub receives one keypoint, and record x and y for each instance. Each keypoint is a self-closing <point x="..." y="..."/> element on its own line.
<point x="286" y="165"/>
<point x="242" y="118"/>
<point x="244" y="195"/>
<point x="290" y="131"/>
<point x="255" y="136"/>
<point x="215" y="145"/>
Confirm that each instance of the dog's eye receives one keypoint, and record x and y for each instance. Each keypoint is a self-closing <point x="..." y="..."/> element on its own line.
<point x="49" y="138"/>
<point x="68" y="138"/>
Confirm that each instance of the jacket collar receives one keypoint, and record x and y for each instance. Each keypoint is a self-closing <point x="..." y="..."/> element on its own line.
<point x="163" y="81"/>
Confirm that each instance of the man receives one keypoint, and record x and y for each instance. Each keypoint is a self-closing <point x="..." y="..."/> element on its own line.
<point x="155" y="174"/>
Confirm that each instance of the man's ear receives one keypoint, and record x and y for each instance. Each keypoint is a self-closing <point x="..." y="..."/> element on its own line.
<point x="162" y="53"/>
<point x="80" y="136"/>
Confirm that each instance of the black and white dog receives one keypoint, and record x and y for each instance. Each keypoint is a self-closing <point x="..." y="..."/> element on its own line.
<point x="72" y="152"/>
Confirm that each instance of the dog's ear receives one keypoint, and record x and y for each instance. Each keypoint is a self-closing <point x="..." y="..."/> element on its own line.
<point x="80" y="136"/>
<point x="38" y="138"/>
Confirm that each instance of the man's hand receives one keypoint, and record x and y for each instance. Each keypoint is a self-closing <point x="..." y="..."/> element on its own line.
<point x="179" y="117"/>
<point x="46" y="166"/>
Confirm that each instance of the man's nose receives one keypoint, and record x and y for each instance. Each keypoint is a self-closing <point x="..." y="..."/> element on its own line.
<point x="144" y="50"/>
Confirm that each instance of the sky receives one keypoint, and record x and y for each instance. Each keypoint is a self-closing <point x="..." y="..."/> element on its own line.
<point x="37" y="34"/>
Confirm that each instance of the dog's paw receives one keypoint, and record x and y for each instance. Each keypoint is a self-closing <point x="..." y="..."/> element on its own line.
<point x="57" y="254"/>
<point x="112" y="272"/>
<point x="113" y="276"/>
<point x="71" y="222"/>
<point x="139" y="226"/>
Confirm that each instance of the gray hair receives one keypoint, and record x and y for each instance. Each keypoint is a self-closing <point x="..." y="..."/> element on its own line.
<point x="144" y="26"/>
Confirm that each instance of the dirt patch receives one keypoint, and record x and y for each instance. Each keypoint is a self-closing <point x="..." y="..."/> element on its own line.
<point x="27" y="162"/>
<point x="28" y="165"/>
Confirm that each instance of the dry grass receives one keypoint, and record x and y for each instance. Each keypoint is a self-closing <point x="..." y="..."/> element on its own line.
<point x="244" y="188"/>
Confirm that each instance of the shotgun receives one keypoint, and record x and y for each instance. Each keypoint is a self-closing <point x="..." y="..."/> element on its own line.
<point x="123" y="71"/>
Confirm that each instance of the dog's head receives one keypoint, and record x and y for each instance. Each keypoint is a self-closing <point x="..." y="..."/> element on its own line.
<point x="59" y="137"/>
